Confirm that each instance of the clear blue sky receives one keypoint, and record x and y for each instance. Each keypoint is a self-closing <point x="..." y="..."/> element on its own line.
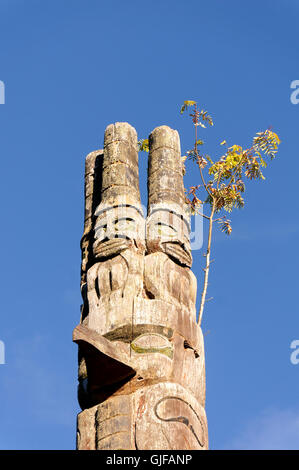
<point x="72" y="67"/>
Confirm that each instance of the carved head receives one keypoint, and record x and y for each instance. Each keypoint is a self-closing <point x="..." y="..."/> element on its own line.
<point x="118" y="228"/>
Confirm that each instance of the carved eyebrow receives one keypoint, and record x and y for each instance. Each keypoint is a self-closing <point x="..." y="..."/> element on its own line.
<point x="180" y="216"/>
<point x="99" y="211"/>
<point x="166" y="225"/>
<point x="124" y="218"/>
<point x="163" y="223"/>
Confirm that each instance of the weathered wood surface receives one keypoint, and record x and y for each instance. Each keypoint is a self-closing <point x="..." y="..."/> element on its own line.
<point x="141" y="352"/>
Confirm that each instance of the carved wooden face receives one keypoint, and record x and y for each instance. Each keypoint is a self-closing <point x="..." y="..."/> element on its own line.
<point x="169" y="232"/>
<point x="167" y="226"/>
<point x="116" y="229"/>
<point x="148" y="303"/>
<point x="119" y="222"/>
<point x="159" y="353"/>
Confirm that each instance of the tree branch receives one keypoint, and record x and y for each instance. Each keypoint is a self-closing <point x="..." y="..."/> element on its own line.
<point x="207" y="268"/>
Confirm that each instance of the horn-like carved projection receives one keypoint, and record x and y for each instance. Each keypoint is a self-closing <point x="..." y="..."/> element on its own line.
<point x="168" y="225"/>
<point x="141" y="352"/>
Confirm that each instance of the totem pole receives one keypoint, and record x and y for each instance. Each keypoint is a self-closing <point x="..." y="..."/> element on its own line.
<point x="141" y="352"/>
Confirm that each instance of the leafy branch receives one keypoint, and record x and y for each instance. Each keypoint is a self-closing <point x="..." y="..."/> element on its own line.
<point x="225" y="188"/>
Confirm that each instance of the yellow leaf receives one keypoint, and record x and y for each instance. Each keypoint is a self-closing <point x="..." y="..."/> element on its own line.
<point x="189" y="103"/>
<point x="276" y="137"/>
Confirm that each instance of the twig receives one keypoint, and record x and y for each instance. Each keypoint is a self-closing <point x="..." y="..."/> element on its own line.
<point x="207" y="268"/>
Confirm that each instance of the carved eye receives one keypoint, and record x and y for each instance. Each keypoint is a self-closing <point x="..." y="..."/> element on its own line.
<point x="152" y="343"/>
<point x="166" y="230"/>
<point x="124" y="224"/>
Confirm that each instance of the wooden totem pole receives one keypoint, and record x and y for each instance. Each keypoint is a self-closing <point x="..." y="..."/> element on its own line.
<point x="141" y="352"/>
